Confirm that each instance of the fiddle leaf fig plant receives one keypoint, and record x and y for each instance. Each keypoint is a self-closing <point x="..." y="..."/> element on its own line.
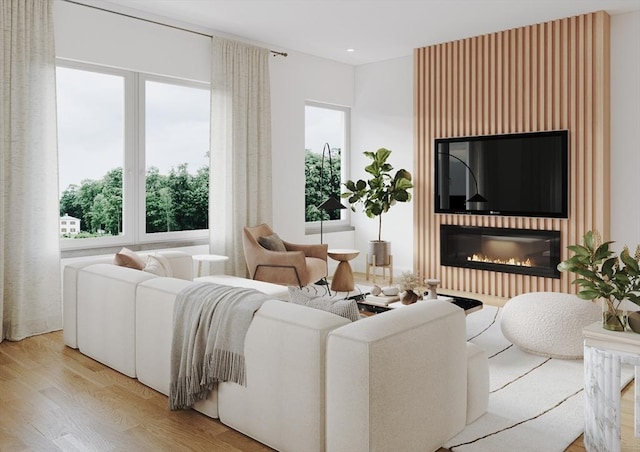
<point x="382" y="190"/>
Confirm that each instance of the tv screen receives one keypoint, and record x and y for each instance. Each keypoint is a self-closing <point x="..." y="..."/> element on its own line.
<point x="522" y="174"/>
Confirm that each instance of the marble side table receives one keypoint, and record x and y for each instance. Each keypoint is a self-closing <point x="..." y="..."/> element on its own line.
<point x="604" y="352"/>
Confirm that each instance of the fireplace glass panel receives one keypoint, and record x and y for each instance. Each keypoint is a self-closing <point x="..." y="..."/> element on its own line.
<point x="522" y="251"/>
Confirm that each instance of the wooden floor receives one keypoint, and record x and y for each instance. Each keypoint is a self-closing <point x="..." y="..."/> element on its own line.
<point x="54" y="398"/>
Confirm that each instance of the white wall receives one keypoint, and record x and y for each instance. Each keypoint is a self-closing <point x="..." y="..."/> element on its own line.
<point x="294" y="80"/>
<point x="90" y="35"/>
<point x="94" y="36"/>
<point x="625" y="129"/>
<point x="383" y="117"/>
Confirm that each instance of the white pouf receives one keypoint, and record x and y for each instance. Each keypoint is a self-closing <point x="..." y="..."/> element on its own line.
<point x="548" y="323"/>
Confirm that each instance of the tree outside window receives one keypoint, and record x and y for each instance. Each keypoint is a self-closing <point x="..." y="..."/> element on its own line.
<point x="325" y="129"/>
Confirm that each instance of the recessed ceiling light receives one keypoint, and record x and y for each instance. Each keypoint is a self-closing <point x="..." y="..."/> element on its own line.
<point x="351" y="50"/>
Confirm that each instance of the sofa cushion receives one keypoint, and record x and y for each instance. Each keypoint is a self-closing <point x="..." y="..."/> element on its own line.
<point x="272" y="242"/>
<point x="158" y="265"/>
<point x="127" y="258"/>
<point x="342" y="307"/>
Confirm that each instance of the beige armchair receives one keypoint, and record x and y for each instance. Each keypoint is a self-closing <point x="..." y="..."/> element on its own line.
<point x="292" y="264"/>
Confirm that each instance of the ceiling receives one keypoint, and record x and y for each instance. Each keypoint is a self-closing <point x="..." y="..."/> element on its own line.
<point x="377" y="30"/>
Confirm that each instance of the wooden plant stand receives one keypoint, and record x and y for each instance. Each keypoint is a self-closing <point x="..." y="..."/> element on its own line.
<point x="373" y="264"/>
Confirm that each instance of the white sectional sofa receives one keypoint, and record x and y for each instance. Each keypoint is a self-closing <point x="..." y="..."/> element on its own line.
<point x="315" y="381"/>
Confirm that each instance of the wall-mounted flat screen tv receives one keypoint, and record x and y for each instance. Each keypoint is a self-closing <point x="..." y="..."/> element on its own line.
<point x="523" y="174"/>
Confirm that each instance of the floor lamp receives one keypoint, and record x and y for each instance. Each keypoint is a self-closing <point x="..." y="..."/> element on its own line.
<point x="331" y="203"/>
<point x="477" y="197"/>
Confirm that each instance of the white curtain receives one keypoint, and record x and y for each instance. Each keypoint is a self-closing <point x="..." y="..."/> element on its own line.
<point x="29" y="242"/>
<point x="240" y="174"/>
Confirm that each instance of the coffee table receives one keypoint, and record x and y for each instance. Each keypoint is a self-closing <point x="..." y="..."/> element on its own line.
<point x="468" y="304"/>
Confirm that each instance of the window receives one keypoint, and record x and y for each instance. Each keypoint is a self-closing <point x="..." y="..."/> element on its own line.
<point x="177" y="157"/>
<point x="326" y="129"/>
<point x="133" y="156"/>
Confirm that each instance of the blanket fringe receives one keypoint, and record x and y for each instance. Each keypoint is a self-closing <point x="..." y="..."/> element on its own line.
<point x="221" y="365"/>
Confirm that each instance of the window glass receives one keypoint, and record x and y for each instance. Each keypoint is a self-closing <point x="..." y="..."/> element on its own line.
<point x="133" y="157"/>
<point x="91" y="136"/>
<point x="325" y="133"/>
<point x="177" y="157"/>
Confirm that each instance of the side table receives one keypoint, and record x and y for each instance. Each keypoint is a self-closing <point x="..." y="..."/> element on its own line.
<point x="210" y="258"/>
<point x="342" y="280"/>
<point x="604" y="352"/>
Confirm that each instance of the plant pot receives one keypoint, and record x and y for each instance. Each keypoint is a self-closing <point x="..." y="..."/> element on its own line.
<point x="381" y="249"/>
<point x="613" y="320"/>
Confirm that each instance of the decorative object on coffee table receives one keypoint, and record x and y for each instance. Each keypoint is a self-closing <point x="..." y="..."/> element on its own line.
<point x="603" y="275"/>
<point x="377" y="195"/>
<point x="432" y="287"/>
<point x="411" y="288"/>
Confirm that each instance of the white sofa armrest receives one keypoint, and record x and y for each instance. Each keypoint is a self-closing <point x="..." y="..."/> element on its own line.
<point x="283" y="404"/>
<point x="397" y="380"/>
<point x="181" y="267"/>
<point x="106" y="314"/>
<point x="70" y="297"/>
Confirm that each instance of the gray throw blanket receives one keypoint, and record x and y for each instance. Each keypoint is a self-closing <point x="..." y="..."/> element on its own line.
<point x="210" y="322"/>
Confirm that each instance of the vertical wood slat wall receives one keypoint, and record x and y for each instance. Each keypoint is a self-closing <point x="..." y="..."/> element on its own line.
<point x="549" y="76"/>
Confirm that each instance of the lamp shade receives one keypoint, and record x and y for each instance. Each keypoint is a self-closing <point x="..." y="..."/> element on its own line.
<point x="477" y="198"/>
<point x="331" y="203"/>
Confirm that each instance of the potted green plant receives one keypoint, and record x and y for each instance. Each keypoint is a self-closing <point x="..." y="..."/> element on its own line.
<point x="377" y="195"/>
<point x="604" y="276"/>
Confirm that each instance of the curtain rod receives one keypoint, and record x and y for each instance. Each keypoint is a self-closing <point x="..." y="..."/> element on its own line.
<point x="273" y="52"/>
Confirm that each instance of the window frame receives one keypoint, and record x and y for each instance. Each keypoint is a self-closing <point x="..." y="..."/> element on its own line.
<point x="344" y="223"/>
<point x="133" y="166"/>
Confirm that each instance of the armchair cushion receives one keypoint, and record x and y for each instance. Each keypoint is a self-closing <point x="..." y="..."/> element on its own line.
<point x="272" y="242"/>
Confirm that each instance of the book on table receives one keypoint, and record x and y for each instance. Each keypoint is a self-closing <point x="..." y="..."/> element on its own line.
<point x="381" y="300"/>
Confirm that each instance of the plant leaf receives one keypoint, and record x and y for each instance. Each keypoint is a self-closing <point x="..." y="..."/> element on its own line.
<point x="579" y="249"/>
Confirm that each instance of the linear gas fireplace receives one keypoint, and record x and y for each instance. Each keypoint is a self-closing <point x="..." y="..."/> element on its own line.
<point x="522" y="251"/>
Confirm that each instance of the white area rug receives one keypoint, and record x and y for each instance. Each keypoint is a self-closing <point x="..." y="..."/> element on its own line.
<point x="535" y="403"/>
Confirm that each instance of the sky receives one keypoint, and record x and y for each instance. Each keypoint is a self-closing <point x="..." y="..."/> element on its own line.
<point x="323" y="125"/>
<point x="91" y="125"/>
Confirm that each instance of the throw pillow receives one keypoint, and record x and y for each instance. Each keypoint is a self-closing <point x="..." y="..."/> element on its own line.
<point x="127" y="258"/>
<point x="272" y="242"/>
<point x="342" y="307"/>
<point x="158" y="265"/>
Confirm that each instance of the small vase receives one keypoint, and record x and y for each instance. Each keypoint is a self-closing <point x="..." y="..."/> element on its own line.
<point x="409" y="297"/>
<point x="613" y="320"/>
<point x="633" y="319"/>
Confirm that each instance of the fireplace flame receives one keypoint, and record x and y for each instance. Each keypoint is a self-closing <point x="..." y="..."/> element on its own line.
<point x="511" y="261"/>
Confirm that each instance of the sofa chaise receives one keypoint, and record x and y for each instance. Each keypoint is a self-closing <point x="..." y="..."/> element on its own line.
<point x="315" y="380"/>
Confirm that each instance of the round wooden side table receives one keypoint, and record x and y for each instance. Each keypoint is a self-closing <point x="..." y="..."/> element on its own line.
<point x="342" y="280"/>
